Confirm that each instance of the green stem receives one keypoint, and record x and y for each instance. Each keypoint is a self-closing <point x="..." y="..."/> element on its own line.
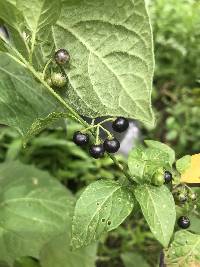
<point x="45" y="68"/>
<point x="106" y="131"/>
<point x="67" y="106"/>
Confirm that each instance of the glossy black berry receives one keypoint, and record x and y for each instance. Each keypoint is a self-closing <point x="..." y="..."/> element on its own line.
<point x="111" y="145"/>
<point x="97" y="151"/>
<point x="168" y="177"/>
<point x="120" y="125"/>
<point x="62" y="56"/>
<point x="183" y="222"/>
<point x="80" y="139"/>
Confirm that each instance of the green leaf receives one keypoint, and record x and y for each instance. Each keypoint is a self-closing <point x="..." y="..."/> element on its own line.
<point x="11" y="15"/>
<point x="34" y="208"/>
<point x="40" y="124"/>
<point x="111" y="57"/>
<point x="183" y="163"/>
<point x="158" y="208"/>
<point x="39" y="17"/>
<point x="162" y="147"/>
<point x="144" y="162"/>
<point x="23" y="99"/>
<point x="133" y="259"/>
<point x="26" y="262"/>
<point x="57" y="253"/>
<point x="184" y="250"/>
<point x="102" y="207"/>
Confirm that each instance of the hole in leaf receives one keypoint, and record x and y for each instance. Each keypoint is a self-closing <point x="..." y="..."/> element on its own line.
<point x="103" y="220"/>
<point x="109" y="222"/>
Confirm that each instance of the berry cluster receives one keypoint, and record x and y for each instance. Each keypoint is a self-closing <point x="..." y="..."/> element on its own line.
<point x="183" y="194"/>
<point x="110" y="145"/>
<point x="58" y="79"/>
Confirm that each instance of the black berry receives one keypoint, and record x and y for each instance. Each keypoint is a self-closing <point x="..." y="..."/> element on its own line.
<point x="97" y="151"/>
<point x="111" y="145"/>
<point x="168" y="177"/>
<point x="62" y="56"/>
<point x="80" y="139"/>
<point x="120" y="125"/>
<point x="183" y="222"/>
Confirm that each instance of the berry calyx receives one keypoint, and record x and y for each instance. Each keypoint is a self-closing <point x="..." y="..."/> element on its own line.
<point x="97" y="151"/>
<point x="111" y="145"/>
<point x="168" y="177"/>
<point x="62" y="56"/>
<point x="193" y="196"/>
<point x="120" y="125"/>
<point x="183" y="222"/>
<point x="80" y="139"/>
<point x="58" y="79"/>
<point x="158" y="178"/>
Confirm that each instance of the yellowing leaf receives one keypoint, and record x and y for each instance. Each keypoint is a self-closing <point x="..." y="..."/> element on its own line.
<point x="192" y="174"/>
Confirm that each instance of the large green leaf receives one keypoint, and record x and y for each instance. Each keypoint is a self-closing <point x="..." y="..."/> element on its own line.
<point x="184" y="250"/>
<point x="103" y="206"/>
<point x="144" y="162"/>
<point x="112" y="64"/>
<point x="158" y="207"/>
<point x="57" y="253"/>
<point x="40" y="15"/>
<point x="34" y="208"/>
<point x="23" y="99"/>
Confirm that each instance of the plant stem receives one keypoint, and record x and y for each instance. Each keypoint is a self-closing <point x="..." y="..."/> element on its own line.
<point x="45" y="68"/>
<point x="67" y="106"/>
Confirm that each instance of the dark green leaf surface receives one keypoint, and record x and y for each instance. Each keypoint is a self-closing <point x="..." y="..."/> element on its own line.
<point x="34" y="208"/>
<point x="57" y="253"/>
<point x="23" y="99"/>
<point x="103" y="206"/>
<point x="158" y="208"/>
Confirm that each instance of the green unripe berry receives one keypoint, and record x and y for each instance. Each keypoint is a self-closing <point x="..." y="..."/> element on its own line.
<point x="49" y="82"/>
<point x="158" y="178"/>
<point x="58" y="79"/>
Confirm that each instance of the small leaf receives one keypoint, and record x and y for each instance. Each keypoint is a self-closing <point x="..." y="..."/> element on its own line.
<point x="57" y="253"/>
<point x="184" y="250"/>
<point x="163" y="147"/>
<point x="144" y="162"/>
<point x="112" y="63"/>
<point x="34" y="208"/>
<point x="158" y="208"/>
<point x="183" y="163"/>
<point x="102" y="207"/>
<point x="188" y="166"/>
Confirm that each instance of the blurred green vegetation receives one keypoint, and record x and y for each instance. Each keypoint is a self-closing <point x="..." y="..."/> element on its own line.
<point x="176" y="95"/>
